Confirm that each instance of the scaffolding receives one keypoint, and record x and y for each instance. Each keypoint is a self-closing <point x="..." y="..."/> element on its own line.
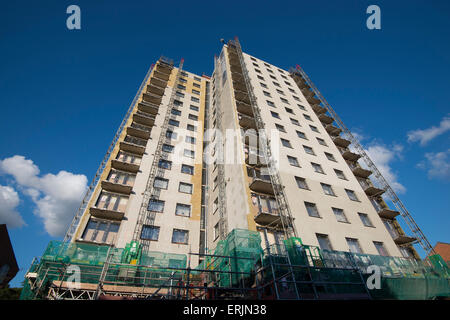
<point x="237" y="269"/>
<point x="382" y="182"/>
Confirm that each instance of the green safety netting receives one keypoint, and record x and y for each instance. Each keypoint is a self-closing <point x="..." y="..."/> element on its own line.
<point x="300" y="271"/>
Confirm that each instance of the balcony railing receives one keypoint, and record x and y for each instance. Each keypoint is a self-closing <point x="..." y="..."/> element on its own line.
<point x="244" y="108"/>
<point x="318" y="109"/>
<point x="155" y="90"/>
<point x="254" y="158"/>
<point x="139" y="130"/>
<point x="247" y="122"/>
<point x="332" y="130"/>
<point x="348" y="155"/>
<point x="152" y="98"/>
<point x="325" y="119"/>
<point x="341" y="142"/>
<point x="148" y="107"/>
<point x="369" y="189"/>
<point x="108" y="210"/>
<point x="267" y="212"/>
<point x="144" y="118"/>
<point x="260" y="182"/>
<point x="133" y="145"/>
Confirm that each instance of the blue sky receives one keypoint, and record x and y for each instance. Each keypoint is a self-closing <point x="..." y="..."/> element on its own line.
<point x="64" y="93"/>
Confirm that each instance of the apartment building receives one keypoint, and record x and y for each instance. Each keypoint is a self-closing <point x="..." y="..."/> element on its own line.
<point x="170" y="182"/>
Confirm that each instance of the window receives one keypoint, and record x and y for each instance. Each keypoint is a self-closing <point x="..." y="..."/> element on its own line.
<point x="293" y="161"/>
<point x="195" y="99"/>
<point x="328" y="189"/>
<point x="156" y="205"/>
<point x="197" y="79"/>
<point x="194" y="108"/>
<point x="185" y="187"/>
<point x="191" y="127"/>
<point x="340" y="174"/>
<point x="173" y="122"/>
<point x="263" y="85"/>
<point x="275" y="115"/>
<point x="183" y="210"/>
<point x="167" y="148"/>
<point x="284" y="100"/>
<point x="187" y="169"/>
<point x="183" y="80"/>
<point x="280" y="127"/>
<point x="190" y="140"/>
<point x="180" y="94"/>
<point x="280" y="92"/>
<point x="180" y="236"/>
<point x="324" y="241"/>
<point x="161" y="183"/>
<point x="177" y="103"/>
<point x="176" y="112"/>
<point x="339" y="214"/>
<point x="257" y="70"/>
<point x="289" y="110"/>
<point x="301" y="107"/>
<point x="301" y="135"/>
<point x="195" y="91"/>
<point x="260" y="78"/>
<point x="285" y="143"/>
<point x="267" y="94"/>
<point x="101" y="231"/>
<point x="296" y="98"/>
<point x="312" y="209"/>
<point x="309" y="150"/>
<point x="307" y="117"/>
<point x="295" y="121"/>
<point x="380" y="248"/>
<point x="180" y="86"/>
<point x="189" y="153"/>
<point x="275" y="84"/>
<point x="165" y="164"/>
<point x="313" y="128"/>
<point x="270" y="103"/>
<point x="193" y="117"/>
<point x="353" y="245"/>
<point x="365" y="219"/>
<point x="321" y="141"/>
<point x="216" y="231"/>
<point x="317" y="167"/>
<point x="150" y="233"/>
<point x="301" y="183"/>
<point x="171" y="134"/>
<point x="197" y="85"/>
<point x="330" y="156"/>
<point x="351" y="194"/>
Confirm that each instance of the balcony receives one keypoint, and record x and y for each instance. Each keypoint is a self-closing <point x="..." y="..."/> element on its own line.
<point x="160" y="75"/>
<point x="360" y="172"/>
<point x="341" y="142"/>
<point x="152" y="98"/>
<point x="372" y="191"/>
<point x="138" y="130"/>
<point x="404" y="239"/>
<point x="325" y="119"/>
<point x="301" y="83"/>
<point x="318" y="109"/>
<point x="237" y="76"/>
<point x="313" y="100"/>
<point x="268" y="218"/>
<point x="158" y="82"/>
<point x="260" y="183"/>
<point x="125" y="166"/>
<point x="148" y="107"/>
<point x="253" y="158"/>
<point x="244" y="108"/>
<point x="307" y="93"/>
<point x="236" y="68"/>
<point x="143" y="117"/>
<point x="116" y="187"/>
<point x="159" y="91"/>
<point x="164" y="68"/>
<point x="242" y="96"/>
<point x="348" y="155"/>
<point x="106" y="213"/>
<point x="133" y="145"/>
<point x="247" y="122"/>
<point x="388" y="213"/>
<point x="239" y="85"/>
<point x="332" y="130"/>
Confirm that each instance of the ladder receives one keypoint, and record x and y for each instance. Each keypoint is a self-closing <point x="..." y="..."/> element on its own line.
<point x="423" y="241"/>
<point x="222" y="206"/>
<point x="145" y="216"/>
<point x="76" y="220"/>
<point x="283" y="206"/>
<point x="103" y="274"/>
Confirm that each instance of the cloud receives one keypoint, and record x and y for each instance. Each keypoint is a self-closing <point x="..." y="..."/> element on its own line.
<point x="56" y="197"/>
<point x="426" y="135"/>
<point x="9" y="200"/>
<point x="437" y="164"/>
<point x="383" y="156"/>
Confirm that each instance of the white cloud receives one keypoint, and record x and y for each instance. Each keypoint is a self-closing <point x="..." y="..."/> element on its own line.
<point x="383" y="156"/>
<point x="426" y="135"/>
<point x="56" y="197"/>
<point x="437" y="164"/>
<point x="9" y="200"/>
